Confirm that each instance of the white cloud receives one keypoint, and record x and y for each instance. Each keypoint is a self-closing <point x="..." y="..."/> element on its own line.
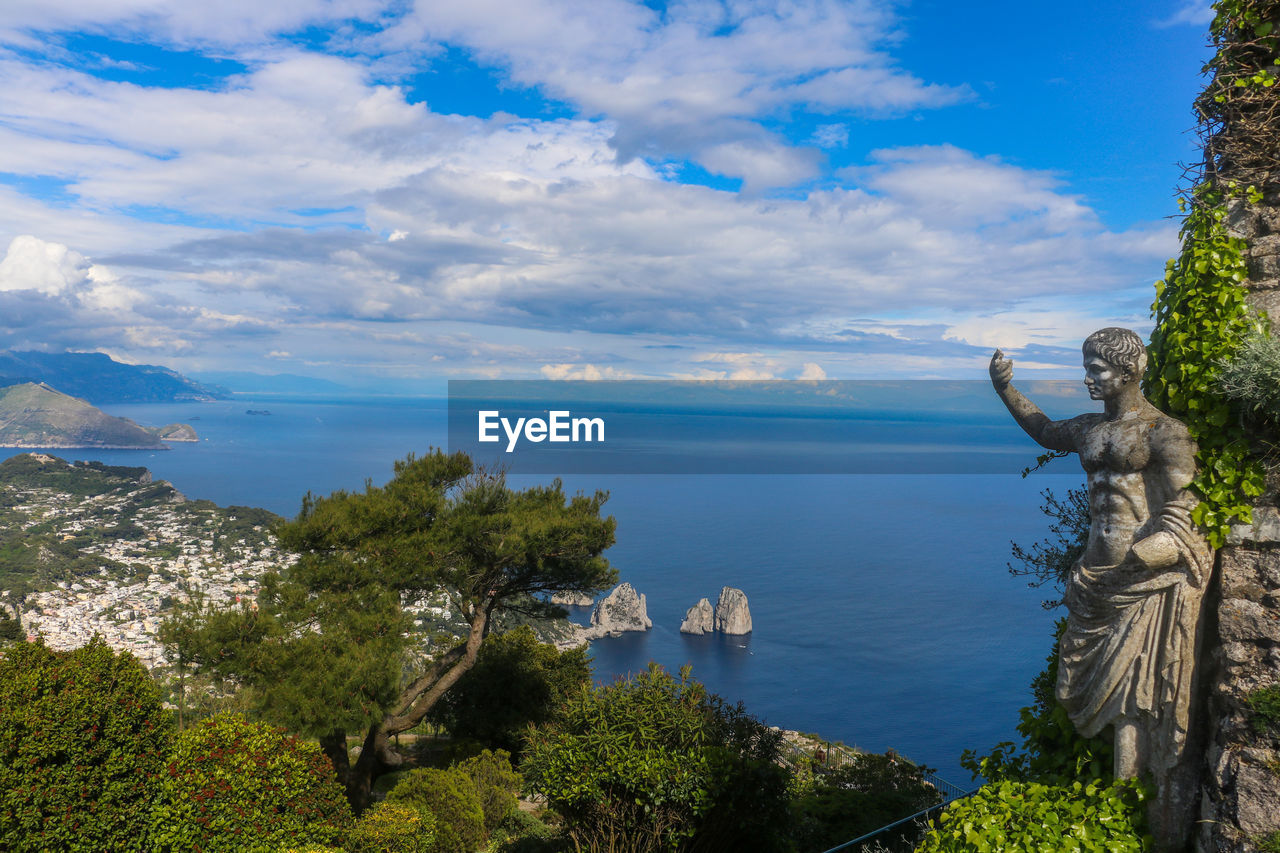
<point x="949" y="186"/>
<point x="227" y="23"/>
<point x="582" y="371"/>
<point x="1045" y="322"/>
<point x="692" y="81"/>
<point x="48" y="268"/>
<point x="812" y="370"/>
<point x="330" y="218"/>
<point x="831" y="135"/>
<point x="302" y="134"/>
<point x="760" y="165"/>
<point x="694" y="78"/>
<point x="1197" y="13"/>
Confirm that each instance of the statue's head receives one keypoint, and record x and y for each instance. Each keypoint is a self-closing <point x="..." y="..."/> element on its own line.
<point x="1120" y="348"/>
<point x="1114" y="361"/>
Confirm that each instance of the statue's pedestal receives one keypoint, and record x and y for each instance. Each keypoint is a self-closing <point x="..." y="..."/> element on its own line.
<point x="1240" y="793"/>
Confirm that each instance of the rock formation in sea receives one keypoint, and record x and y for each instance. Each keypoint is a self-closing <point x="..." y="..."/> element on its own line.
<point x="700" y="619"/>
<point x="732" y="614"/>
<point x="621" y="610"/>
<point x="572" y="599"/>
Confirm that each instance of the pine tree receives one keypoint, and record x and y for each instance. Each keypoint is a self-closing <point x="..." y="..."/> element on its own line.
<point x="332" y="644"/>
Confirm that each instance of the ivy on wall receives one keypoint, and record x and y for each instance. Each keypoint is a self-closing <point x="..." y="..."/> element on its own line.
<point x="1202" y="318"/>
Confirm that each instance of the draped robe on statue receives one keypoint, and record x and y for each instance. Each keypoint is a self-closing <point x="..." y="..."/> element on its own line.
<point x="1129" y="647"/>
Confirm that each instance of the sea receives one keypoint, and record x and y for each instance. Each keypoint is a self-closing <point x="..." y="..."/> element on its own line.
<point x="884" y="613"/>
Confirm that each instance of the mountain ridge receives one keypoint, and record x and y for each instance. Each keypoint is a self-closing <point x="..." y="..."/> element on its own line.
<point x="98" y="378"/>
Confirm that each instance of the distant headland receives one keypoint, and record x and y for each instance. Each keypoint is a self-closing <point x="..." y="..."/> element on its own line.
<point x="34" y="414"/>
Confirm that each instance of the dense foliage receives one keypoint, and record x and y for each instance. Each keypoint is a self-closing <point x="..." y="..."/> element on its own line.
<point x="454" y="801"/>
<point x="497" y="784"/>
<point x="392" y="828"/>
<point x="517" y="681"/>
<point x="1030" y="817"/>
<point x="1252" y="380"/>
<point x="658" y="763"/>
<point x="82" y="739"/>
<point x="522" y="832"/>
<point x="333" y="644"/>
<point x="10" y="628"/>
<point x="233" y="785"/>
<point x="872" y="791"/>
<point x="1201" y="321"/>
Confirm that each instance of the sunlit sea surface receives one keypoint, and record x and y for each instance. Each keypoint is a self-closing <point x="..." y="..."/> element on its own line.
<point x="883" y="610"/>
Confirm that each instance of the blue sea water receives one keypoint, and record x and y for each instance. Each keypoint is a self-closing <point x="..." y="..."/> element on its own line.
<point x="884" y="615"/>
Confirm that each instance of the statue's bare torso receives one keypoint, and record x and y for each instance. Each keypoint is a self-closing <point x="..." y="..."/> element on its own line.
<point x="1134" y="464"/>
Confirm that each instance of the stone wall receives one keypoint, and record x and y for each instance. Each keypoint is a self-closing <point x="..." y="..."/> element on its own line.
<point x="1240" y="799"/>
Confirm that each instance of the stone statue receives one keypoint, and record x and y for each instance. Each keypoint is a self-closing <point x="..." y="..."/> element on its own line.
<point x="1127" y="659"/>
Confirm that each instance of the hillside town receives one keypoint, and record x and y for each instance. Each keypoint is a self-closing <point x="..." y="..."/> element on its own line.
<point x="113" y="563"/>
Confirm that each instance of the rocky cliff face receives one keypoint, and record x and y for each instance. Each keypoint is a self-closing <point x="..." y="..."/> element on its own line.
<point x="732" y="614"/>
<point x="700" y="619"/>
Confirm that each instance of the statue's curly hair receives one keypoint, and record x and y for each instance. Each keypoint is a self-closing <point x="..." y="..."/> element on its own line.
<point x="1120" y="347"/>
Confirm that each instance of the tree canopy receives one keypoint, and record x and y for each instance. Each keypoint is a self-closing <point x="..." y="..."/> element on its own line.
<point x="338" y="641"/>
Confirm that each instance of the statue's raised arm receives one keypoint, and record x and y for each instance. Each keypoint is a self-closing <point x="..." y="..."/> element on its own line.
<point x="1055" y="435"/>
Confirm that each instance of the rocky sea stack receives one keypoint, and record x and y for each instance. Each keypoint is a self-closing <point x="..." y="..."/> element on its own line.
<point x="700" y="619"/>
<point x="620" y="611"/>
<point x="731" y="615"/>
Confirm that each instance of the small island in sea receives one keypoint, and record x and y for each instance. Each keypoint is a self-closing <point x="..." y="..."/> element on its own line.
<point x="35" y="415"/>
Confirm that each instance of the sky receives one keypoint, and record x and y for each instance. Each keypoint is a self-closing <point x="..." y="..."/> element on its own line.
<point x="392" y="193"/>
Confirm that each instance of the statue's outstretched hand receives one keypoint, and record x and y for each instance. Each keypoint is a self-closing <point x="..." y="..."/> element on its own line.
<point x="1001" y="370"/>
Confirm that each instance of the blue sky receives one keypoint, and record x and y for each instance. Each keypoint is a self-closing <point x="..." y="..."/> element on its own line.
<point x="392" y="193"/>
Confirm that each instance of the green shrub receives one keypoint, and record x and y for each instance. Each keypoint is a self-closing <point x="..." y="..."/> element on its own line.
<point x="871" y="792"/>
<point x="82" y="739"/>
<point x="452" y="798"/>
<point x="1013" y="817"/>
<point x="1269" y="843"/>
<point x="655" y="763"/>
<point x="516" y="682"/>
<point x="1264" y="705"/>
<point x="10" y="628"/>
<point x="1252" y="376"/>
<point x="393" y="828"/>
<point x="521" y="832"/>
<point x="496" y="782"/>
<point x="233" y="785"/>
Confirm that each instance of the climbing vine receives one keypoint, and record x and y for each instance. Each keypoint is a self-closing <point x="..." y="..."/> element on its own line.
<point x="1202" y="318"/>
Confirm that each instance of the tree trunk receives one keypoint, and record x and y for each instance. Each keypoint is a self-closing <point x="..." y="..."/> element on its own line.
<point x="334" y="746"/>
<point x="368" y="767"/>
<point x="376" y="754"/>
<point x="423" y="694"/>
